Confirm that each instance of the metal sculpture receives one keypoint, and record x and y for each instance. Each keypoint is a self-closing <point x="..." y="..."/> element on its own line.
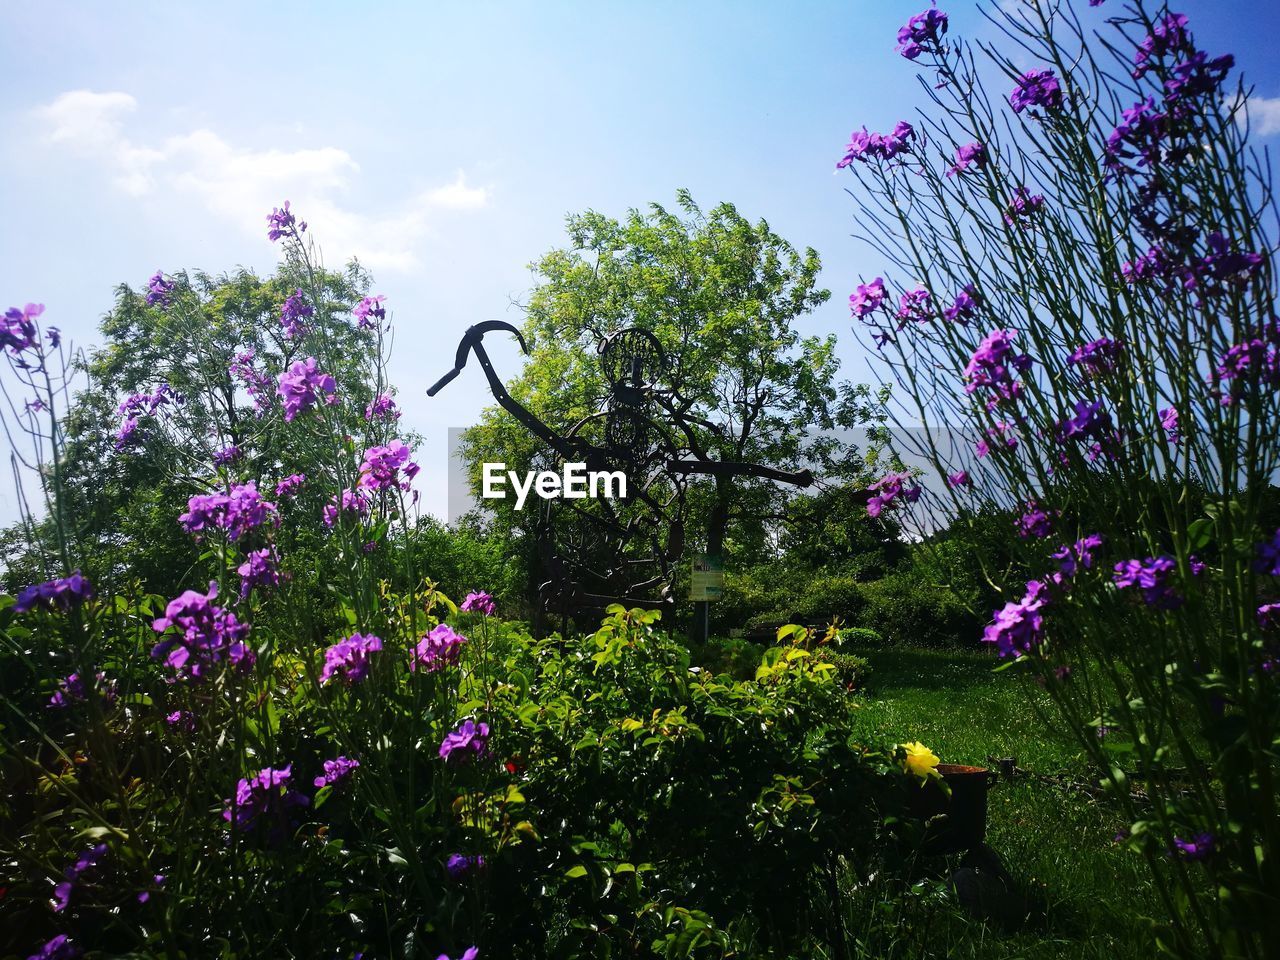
<point x="622" y="551"/>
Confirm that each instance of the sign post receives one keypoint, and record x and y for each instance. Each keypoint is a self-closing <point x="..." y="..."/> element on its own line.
<point x="706" y="583"/>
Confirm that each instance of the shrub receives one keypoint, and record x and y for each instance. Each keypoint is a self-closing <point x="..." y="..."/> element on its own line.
<point x="903" y="610"/>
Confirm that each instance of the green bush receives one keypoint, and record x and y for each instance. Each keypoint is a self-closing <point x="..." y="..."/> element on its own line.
<point x="734" y="656"/>
<point x="909" y="612"/>
<point x="851" y="670"/>
<point x="860" y="637"/>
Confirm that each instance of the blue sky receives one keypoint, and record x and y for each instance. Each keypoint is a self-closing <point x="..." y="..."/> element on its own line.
<point x="445" y="143"/>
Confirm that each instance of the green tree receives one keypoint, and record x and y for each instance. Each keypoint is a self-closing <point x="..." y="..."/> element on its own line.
<point x="722" y="296"/>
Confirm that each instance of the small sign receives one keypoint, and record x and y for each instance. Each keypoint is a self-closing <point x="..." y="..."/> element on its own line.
<point x="707" y="581"/>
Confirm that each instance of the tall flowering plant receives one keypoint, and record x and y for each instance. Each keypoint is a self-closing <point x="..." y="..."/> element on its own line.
<point x="1086" y="336"/>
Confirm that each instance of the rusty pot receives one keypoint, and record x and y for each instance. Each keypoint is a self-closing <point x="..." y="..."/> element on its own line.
<point x="956" y="822"/>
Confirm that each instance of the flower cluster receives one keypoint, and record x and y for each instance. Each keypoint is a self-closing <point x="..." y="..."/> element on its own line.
<point x="1097" y="357"/>
<point x="1079" y="554"/>
<point x="1268" y="561"/>
<point x="1018" y="628"/>
<point x="888" y="489"/>
<point x="998" y="437"/>
<point x="18" y="331"/>
<point x="1153" y="576"/>
<point x="965" y="307"/>
<point x="1251" y="364"/>
<point x="924" y="30"/>
<point x="913" y="305"/>
<point x="292" y="313"/>
<point x="290" y="485"/>
<point x="1036" y="88"/>
<point x="1090" y="425"/>
<point x="139" y="405"/>
<point x="351" y="502"/>
<point x="204" y="635"/>
<point x="257" y="385"/>
<point x="969" y="155"/>
<point x="470" y="739"/>
<point x="282" y="223"/>
<point x="1036" y="522"/>
<point x="61" y="594"/>
<point x="266" y="797"/>
<point x="865" y="146"/>
<point x="867" y="298"/>
<point x="382" y="407"/>
<point x="228" y="455"/>
<point x="71" y="689"/>
<point x="258" y="570"/>
<point x="460" y="865"/>
<point x="159" y="291"/>
<point x="438" y="649"/>
<point x="369" y="312"/>
<point x="479" y="602"/>
<point x="1168" y="36"/>
<point x="85" y="864"/>
<point x="349" y="659"/>
<point x="337" y="772"/>
<point x="1023" y="206"/>
<point x="387" y="467"/>
<point x="302" y="385"/>
<point x="992" y="368"/>
<point x="237" y="513"/>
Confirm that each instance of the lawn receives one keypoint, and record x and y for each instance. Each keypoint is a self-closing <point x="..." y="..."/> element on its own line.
<point x="1084" y="896"/>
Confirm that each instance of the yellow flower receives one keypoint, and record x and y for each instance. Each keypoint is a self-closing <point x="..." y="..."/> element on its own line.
<point x="919" y="761"/>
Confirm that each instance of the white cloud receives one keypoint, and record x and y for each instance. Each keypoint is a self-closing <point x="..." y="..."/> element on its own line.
<point x="241" y="184"/>
<point x="1264" y="115"/>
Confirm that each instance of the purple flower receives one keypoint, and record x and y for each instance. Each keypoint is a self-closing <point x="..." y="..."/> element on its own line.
<point x="290" y="484"/>
<point x="1152" y="576"/>
<point x="1269" y="556"/>
<point x="921" y="31"/>
<point x="181" y="720"/>
<point x="369" y="312"/>
<point x="1035" y="522"/>
<point x="1168" y="36"/>
<point x="237" y="513"/>
<point x="993" y="366"/>
<point x="1079" y="554"/>
<point x="867" y="297"/>
<point x="206" y="636"/>
<point x="258" y="570"/>
<point x="1198" y="847"/>
<point x="18" y="328"/>
<point x="1000" y="435"/>
<point x="1090" y="422"/>
<point x="257" y="385"/>
<point x="479" y="602"/>
<point x="302" y="385"/>
<point x="471" y="953"/>
<point x="1197" y="76"/>
<point x="227" y="455"/>
<point x="85" y="864"/>
<point x="865" y="146"/>
<point x="159" y="291"/>
<point x="55" y="595"/>
<point x="1018" y="628"/>
<point x="348" y="660"/>
<point x="292" y="313"/>
<point x="59" y="948"/>
<point x="965" y="307"/>
<point x="469" y="738"/>
<point x="387" y="467"/>
<point x="1269" y="615"/>
<point x="438" y="649"/>
<point x="352" y="502"/>
<point x="913" y="305"/>
<point x="72" y="690"/>
<point x="1151" y="265"/>
<point x="127" y="435"/>
<point x="1023" y="206"/>
<point x="1036" y="88"/>
<point x="382" y="407"/>
<point x="959" y="479"/>
<point x="1097" y="357"/>
<point x="888" y="489"/>
<point x="971" y="154"/>
<point x="459" y="865"/>
<point x="1140" y="135"/>
<point x="337" y="772"/>
<point x="266" y="797"/>
<point x="1169" y="423"/>
<point x="282" y="223"/>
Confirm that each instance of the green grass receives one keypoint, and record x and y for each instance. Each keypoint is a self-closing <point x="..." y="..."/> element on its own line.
<point x="1084" y="897"/>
